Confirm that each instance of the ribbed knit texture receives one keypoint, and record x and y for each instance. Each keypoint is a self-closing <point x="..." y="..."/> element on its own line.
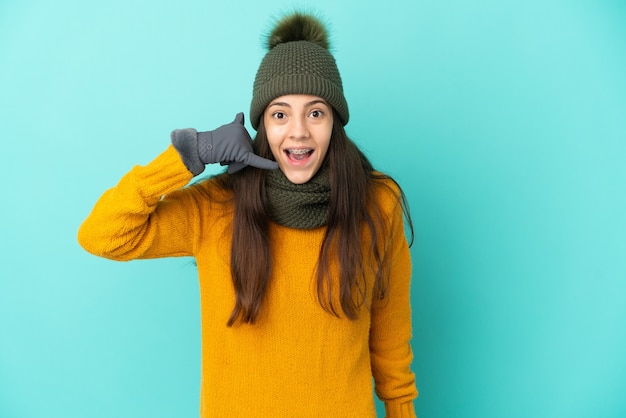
<point x="297" y="67"/>
<point x="303" y="206"/>
<point x="297" y="360"/>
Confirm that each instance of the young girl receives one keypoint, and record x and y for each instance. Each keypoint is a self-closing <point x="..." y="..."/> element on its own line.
<point x="303" y="263"/>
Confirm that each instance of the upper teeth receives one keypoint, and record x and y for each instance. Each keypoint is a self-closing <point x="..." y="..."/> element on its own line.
<point x="299" y="151"/>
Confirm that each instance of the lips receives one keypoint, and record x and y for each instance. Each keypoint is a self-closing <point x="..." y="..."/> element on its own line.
<point x="298" y="154"/>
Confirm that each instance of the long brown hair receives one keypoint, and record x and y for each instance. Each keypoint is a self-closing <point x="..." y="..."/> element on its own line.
<point x="352" y="182"/>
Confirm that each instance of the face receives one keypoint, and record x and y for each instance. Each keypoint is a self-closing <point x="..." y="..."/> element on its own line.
<point x="298" y="131"/>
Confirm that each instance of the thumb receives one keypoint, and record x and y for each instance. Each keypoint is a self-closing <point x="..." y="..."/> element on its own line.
<point x="239" y="119"/>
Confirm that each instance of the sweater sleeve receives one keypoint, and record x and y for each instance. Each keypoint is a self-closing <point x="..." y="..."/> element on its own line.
<point x="134" y="220"/>
<point x="390" y="333"/>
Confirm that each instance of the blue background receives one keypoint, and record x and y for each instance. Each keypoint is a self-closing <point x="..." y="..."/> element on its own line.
<point x="504" y="121"/>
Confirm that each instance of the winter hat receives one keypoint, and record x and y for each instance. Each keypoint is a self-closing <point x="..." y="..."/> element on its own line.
<point x="298" y="62"/>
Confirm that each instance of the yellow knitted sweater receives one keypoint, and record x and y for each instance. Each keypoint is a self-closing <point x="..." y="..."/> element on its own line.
<point x="297" y="360"/>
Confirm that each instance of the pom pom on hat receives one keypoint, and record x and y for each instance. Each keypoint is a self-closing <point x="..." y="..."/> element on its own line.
<point x="298" y="27"/>
<point x="298" y="62"/>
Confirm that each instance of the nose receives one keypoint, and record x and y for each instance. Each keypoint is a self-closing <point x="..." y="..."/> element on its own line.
<point x="298" y="128"/>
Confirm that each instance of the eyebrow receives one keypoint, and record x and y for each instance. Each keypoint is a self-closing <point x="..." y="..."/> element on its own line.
<point x="311" y="103"/>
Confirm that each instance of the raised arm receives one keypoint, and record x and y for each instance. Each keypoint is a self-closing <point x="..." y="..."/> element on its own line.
<point x="131" y="221"/>
<point x="147" y="214"/>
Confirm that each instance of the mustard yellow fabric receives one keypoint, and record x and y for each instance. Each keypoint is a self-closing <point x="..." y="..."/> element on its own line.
<point x="297" y="360"/>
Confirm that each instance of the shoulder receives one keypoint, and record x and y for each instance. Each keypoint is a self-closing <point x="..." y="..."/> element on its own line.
<point x="386" y="192"/>
<point x="391" y="206"/>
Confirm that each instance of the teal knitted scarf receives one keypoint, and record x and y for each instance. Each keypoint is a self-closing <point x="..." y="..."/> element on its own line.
<point x="302" y="206"/>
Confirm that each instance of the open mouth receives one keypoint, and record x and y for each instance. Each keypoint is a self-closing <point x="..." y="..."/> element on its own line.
<point x="298" y="154"/>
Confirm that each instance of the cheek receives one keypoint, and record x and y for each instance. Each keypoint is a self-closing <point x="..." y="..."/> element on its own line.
<point x="325" y="144"/>
<point x="324" y="150"/>
<point x="274" y="142"/>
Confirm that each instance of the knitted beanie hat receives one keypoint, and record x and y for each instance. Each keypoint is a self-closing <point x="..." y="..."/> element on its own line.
<point x="298" y="62"/>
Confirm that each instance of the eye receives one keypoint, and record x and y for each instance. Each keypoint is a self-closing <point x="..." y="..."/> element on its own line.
<point x="317" y="113"/>
<point x="278" y="115"/>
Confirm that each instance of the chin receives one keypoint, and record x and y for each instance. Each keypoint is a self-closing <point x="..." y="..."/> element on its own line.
<point x="298" y="177"/>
